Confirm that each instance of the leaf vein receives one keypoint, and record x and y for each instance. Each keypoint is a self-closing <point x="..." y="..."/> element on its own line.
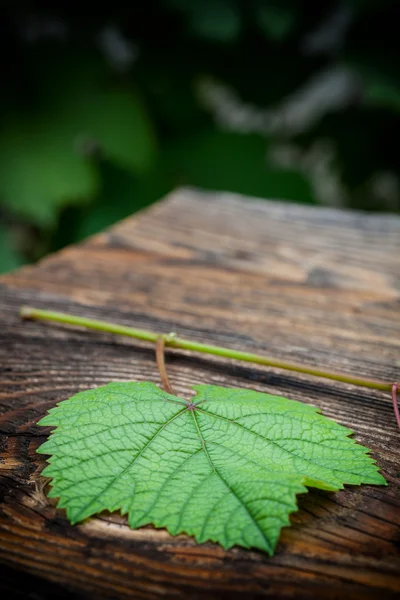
<point x="265" y="439"/>
<point x="253" y="519"/>
<point x="84" y="509"/>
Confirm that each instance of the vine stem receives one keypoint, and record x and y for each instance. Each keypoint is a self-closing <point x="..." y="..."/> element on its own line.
<point x="171" y="340"/>
<point x="160" y="357"/>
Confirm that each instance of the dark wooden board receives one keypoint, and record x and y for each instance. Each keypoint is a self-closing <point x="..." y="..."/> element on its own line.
<point x="315" y="285"/>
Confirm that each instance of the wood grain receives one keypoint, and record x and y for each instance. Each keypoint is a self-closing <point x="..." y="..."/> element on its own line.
<point x="314" y="285"/>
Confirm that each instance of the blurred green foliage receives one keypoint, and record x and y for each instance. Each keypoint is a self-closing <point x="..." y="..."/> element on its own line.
<point x="103" y="114"/>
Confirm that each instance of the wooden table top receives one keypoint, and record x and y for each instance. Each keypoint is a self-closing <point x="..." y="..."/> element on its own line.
<point x="313" y="285"/>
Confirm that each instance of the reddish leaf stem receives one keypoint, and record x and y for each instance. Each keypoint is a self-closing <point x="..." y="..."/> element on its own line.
<point x="395" y="389"/>
<point x="160" y="357"/>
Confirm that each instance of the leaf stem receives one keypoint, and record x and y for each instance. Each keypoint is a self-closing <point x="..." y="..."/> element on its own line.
<point x="173" y="341"/>
<point x="160" y="357"/>
<point x="395" y="389"/>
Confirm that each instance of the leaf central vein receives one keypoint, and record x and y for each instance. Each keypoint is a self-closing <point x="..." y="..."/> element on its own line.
<point x="231" y="490"/>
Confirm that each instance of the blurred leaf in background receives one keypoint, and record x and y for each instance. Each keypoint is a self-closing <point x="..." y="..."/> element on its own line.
<point x="213" y="159"/>
<point x="216" y="21"/>
<point x="9" y="256"/>
<point x="40" y="170"/>
<point x="104" y="113"/>
<point x="276" y="19"/>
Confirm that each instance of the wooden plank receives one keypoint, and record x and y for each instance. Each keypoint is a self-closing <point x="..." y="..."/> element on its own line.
<point x="314" y="285"/>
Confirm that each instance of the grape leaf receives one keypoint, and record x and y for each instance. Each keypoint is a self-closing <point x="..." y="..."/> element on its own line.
<point x="225" y="466"/>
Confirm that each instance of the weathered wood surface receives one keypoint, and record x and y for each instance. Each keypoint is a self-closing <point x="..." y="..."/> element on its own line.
<point x="314" y="285"/>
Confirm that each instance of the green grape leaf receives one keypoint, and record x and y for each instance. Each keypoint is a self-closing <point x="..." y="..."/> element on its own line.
<point x="224" y="467"/>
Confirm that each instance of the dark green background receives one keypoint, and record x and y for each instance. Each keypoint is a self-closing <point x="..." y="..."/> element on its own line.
<point x="86" y="140"/>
